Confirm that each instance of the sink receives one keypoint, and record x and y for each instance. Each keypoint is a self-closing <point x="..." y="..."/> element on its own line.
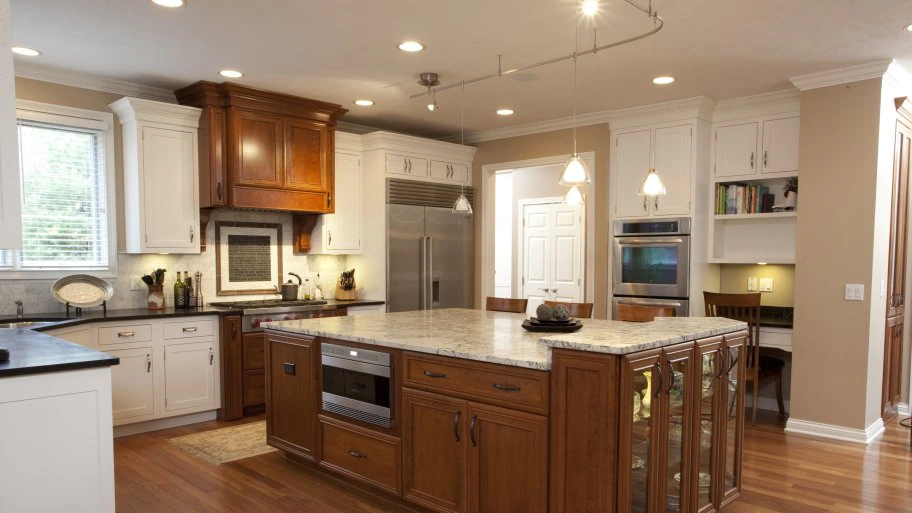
<point x="30" y="322"/>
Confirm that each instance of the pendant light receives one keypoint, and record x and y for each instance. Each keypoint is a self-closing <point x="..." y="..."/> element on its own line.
<point x="575" y="173"/>
<point x="462" y="205"/>
<point x="573" y="197"/>
<point x="652" y="185"/>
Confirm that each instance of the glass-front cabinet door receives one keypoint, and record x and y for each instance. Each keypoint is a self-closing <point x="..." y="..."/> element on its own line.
<point x="640" y="410"/>
<point x="678" y="410"/>
<point x="733" y="435"/>
<point x="709" y="420"/>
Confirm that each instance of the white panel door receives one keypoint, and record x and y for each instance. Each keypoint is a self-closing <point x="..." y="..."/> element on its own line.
<point x="189" y="376"/>
<point x="566" y="261"/>
<point x="343" y="228"/>
<point x="169" y="189"/>
<point x="10" y="201"/>
<point x="780" y="145"/>
<point x="736" y="150"/>
<point x="133" y="386"/>
<point x="537" y="242"/>
<point x="632" y="161"/>
<point x="672" y="161"/>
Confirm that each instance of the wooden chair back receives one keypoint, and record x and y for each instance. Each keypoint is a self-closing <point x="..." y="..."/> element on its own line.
<point x="741" y="307"/>
<point x="506" y="304"/>
<point x="643" y="313"/>
<point x="578" y="310"/>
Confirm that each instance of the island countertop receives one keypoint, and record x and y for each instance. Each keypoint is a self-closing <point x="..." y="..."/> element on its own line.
<point x="498" y="337"/>
<point x="35" y="353"/>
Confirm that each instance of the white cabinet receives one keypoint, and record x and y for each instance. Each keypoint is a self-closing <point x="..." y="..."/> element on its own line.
<point x="736" y="149"/>
<point x="780" y="145"/>
<point x="340" y="233"/>
<point x="414" y="158"/>
<point x="449" y="171"/>
<point x="133" y="384"/>
<point x="161" y="169"/>
<point x="406" y="165"/>
<point x="10" y="200"/>
<point x="190" y="376"/>
<point x="668" y="149"/>
<point x="752" y="148"/>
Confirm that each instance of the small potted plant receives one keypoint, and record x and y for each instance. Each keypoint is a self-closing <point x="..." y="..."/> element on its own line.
<point x="791" y="193"/>
<point x="155" y="281"/>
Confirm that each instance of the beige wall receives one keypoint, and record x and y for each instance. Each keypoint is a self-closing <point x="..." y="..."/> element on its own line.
<point x="593" y="138"/>
<point x="734" y="281"/>
<point x="835" y="354"/>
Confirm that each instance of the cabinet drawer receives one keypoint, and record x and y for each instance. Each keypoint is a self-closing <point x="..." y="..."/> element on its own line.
<point x="254" y="384"/>
<point x="403" y="165"/>
<point x="511" y="387"/>
<point x="254" y="351"/>
<point x="369" y="457"/>
<point x="191" y="328"/>
<point x="126" y="334"/>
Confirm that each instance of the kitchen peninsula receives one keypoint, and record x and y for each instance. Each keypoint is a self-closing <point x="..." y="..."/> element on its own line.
<point x="463" y="410"/>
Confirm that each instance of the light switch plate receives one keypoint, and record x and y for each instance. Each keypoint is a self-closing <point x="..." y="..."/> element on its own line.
<point x="136" y="283"/>
<point x="766" y="284"/>
<point x="854" y="292"/>
<point x="752" y="284"/>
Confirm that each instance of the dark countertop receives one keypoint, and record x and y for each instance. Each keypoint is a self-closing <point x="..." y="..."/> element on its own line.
<point x="777" y="316"/>
<point x="35" y="353"/>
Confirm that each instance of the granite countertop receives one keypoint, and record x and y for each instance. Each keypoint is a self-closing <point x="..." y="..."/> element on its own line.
<point x="35" y="353"/>
<point x="498" y="337"/>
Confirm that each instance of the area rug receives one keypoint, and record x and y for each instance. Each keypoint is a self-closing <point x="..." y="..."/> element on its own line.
<point x="226" y="444"/>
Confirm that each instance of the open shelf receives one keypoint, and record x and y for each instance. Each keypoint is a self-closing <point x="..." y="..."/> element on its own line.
<point x="762" y="215"/>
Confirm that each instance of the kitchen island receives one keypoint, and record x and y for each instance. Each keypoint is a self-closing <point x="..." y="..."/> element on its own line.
<point x="484" y="416"/>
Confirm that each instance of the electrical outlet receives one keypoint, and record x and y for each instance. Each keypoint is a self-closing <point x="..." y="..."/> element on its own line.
<point x="136" y="283"/>
<point x="766" y="284"/>
<point x="854" y="292"/>
<point x="752" y="284"/>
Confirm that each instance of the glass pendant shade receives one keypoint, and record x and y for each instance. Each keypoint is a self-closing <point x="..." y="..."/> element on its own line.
<point x="462" y="206"/>
<point x="573" y="197"/>
<point x="652" y="185"/>
<point x="575" y="173"/>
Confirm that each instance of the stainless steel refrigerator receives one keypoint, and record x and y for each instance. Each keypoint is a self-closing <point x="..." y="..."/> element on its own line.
<point x="429" y="258"/>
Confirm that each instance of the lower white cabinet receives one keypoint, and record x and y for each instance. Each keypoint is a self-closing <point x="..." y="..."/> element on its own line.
<point x="190" y="376"/>
<point x="133" y="393"/>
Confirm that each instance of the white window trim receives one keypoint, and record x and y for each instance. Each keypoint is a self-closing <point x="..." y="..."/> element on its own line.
<point x="79" y="118"/>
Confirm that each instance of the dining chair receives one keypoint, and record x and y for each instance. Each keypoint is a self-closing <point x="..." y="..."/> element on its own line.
<point x="746" y="307"/>
<point x="578" y="310"/>
<point x="506" y="304"/>
<point x="643" y="313"/>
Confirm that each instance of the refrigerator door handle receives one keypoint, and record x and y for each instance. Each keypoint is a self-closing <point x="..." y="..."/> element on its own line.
<point x="422" y="277"/>
<point x="429" y="277"/>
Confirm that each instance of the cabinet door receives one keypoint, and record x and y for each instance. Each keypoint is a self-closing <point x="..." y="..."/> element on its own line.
<point x="632" y="162"/>
<point x="291" y="394"/>
<point x="672" y="160"/>
<point x="638" y="449"/>
<point x="508" y="461"/>
<point x="306" y="146"/>
<point x="896" y="282"/>
<point x="678" y="425"/>
<point x="449" y="171"/>
<point x="709" y="421"/>
<point x="404" y="165"/>
<point x="213" y="189"/>
<point x="343" y="229"/>
<point x="259" y="159"/>
<point x="230" y="352"/>
<point x="892" y="377"/>
<point x="132" y="384"/>
<point x="736" y="150"/>
<point x="780" y="145"/>
<point x="190" y="377"/>
<point x="170" y="186"/>
<point x="10" y="199"/>
<point x="434" y="436"/>
<point x="733" y="432"/>
<point x="459" y="173"/>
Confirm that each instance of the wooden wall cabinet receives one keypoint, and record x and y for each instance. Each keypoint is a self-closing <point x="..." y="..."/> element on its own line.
<point x="230" y="340"/>
<point x="264" y="150"/>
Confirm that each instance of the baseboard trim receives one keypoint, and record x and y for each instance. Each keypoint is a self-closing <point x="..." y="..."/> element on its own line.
<point x="902" y="409"/>
<point x="859" y="436"/>
<point x="157" y="424"/>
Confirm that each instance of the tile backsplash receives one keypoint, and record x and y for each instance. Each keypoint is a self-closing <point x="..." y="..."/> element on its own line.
<point x="36" y="294"/>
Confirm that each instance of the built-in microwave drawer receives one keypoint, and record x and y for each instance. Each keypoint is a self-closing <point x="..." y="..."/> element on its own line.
<point x="372" y="458"/>
<point x="124" y="334"/>
<point x="190" y="328"/>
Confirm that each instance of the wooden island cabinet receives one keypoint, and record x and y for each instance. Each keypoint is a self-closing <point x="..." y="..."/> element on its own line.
<point x="653" y="431"/>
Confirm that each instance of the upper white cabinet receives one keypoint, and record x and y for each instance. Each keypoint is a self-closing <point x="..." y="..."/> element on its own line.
<point x="341" y="233"/>
<point x="668" y="149"/>
<point x="161" y="176"/>
<point x="10" y="199"/>
<point x="414" y="158"/>
<point x="745" y="149"/>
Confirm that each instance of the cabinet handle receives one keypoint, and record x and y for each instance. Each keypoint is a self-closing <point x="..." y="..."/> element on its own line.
<point x="720" y="366"/>
<point x="234" y="329"/>
<point x="472" y="430"/>
<point x="330" y="233"/>
<point x="211" y="356"/>
<point x="657" y="203"/>
<point x="329" y="199"/>
<point x="765" y="152"/>
<point x="658" y="371"/>
<point x="189" y="330"/>
<point x="405" y="165"/>
<point x="456" y="424"/>
<point x="191" y="233"/>
<point x="218" y="191"/>
<point x="148" y="363"/>
<point x="752" y="160"/>
<point x="644" y="203"/>
<point x="434" y="374"/>
<point x="126" y="334"/>
<point x="356" y="454"/>
<point x="671" y="378"/>
<point x="409" y="166"/>
<point x="506" y="388"/>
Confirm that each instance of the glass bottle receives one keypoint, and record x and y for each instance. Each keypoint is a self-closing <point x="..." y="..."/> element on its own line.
<point x="191" y="297"/>
<point x="186" y="289"/>
<point x="306" y="289"/>
<point x="318" y="288"/>
<point x="179" y="292"/>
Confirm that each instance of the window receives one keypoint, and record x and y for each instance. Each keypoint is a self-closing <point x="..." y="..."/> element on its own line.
<point x="66" y="169"/>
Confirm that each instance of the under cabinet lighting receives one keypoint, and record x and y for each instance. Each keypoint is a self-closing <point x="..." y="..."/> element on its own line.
<point x="411" y="46"/>
<point x="364" y="103"/>
<point x="663" y="80"/>
<point x="21" y="50"/>
<point x="230" y="73"/>
<point x="504" y="112"/>
<point x="169" y="3"/>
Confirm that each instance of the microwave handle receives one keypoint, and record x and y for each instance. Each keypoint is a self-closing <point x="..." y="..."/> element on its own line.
<point x="673" y="304"/>
<point x="648" y="242"/>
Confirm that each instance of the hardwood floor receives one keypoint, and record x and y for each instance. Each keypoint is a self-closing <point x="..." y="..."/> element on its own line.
<point x="783" y="473"/>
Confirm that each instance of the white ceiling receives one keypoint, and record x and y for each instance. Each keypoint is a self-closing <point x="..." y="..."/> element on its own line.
<point x="340" y="50"/>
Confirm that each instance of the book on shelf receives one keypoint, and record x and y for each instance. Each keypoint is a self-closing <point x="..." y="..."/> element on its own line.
<point x="740" y="198"/>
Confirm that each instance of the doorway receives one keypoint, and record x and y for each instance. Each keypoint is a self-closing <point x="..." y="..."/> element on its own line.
<point x="551" y="239"/>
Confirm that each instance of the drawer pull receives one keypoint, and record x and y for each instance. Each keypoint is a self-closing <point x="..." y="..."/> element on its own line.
<point x="356" y="454"/>
<point x="506" y="388"/>
<point x="125" y="334"/>
<point x="189" y="330"/>
<point x="434" y="374"/>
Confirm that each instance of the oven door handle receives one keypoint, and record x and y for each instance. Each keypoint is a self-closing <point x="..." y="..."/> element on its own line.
<point x="673" y="304"/>
<point x="658" y="241"/>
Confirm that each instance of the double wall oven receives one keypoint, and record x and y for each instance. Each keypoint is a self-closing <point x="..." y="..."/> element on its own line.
<point x="652" y="263"/>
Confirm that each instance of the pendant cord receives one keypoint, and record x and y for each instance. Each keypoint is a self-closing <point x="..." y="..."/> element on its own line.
<point x="462" y="125"/>
<point x="575" y="51"/>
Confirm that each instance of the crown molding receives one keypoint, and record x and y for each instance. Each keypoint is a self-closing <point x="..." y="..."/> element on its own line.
<point x="867" y="71"/>
<point x="355" y="128"/>
<point x="899" y="78"/>
<point x="758" y="105"/>
<point x="410" y="145"/>
<point x="140" y="109"/>
<point x="94" y="83"/>
<point x="346" y="141"/>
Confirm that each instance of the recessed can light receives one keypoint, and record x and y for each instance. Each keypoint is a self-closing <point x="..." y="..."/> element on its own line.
<point x="908" y="28"/>
<point x="411" y="46"/>
<point x="21" y="50"/>
<point x="663" y="80"/>
<point x="590" y="7"/>
<point x="230" y="73"/>
<point x="169" y="3"/>
<point x="364" y="103"/>
<point x="504" y="112"/>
